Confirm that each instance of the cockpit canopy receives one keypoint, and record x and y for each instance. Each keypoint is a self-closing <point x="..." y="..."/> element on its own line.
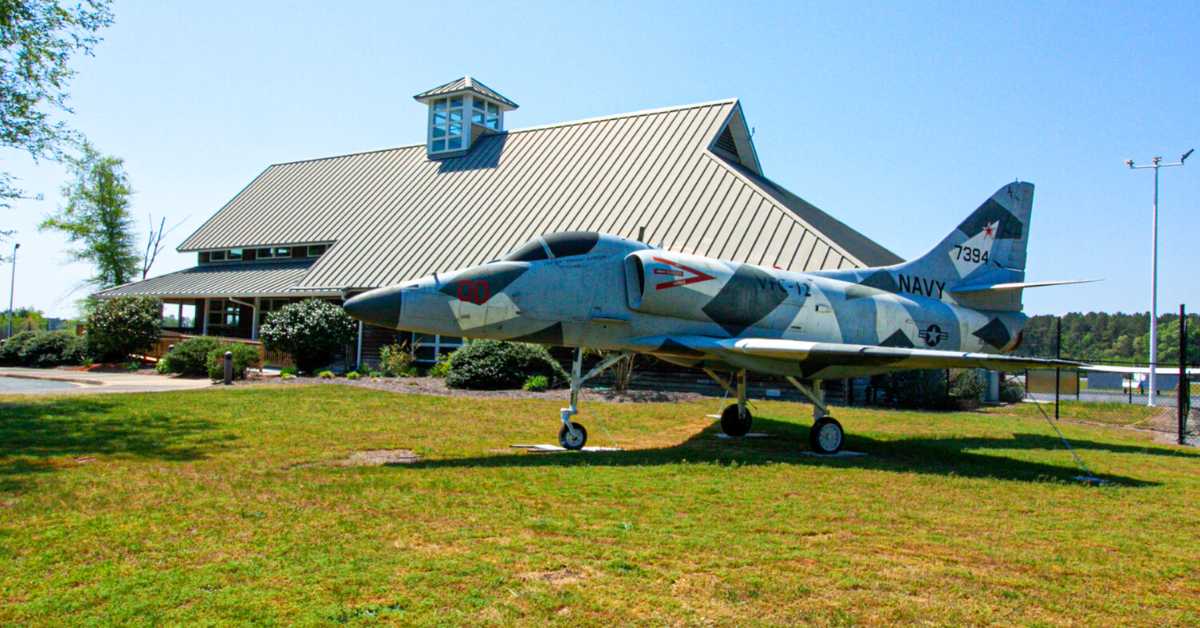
<point x="569" y="244"/>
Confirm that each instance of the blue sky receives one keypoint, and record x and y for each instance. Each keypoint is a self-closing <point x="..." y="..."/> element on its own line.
<point x="897" y="118"/>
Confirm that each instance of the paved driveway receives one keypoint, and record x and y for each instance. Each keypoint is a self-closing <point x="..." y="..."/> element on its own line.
<point x="26" y="381"/>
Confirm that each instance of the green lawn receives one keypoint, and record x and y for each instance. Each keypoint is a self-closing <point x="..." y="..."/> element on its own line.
<point x="1114" y="413"/>
<point x="224" y="506"/>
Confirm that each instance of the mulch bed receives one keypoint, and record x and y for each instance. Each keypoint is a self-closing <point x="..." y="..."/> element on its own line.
<point x="437" y="386"/>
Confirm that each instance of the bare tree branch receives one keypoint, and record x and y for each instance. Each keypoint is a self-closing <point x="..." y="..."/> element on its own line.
<point x="154" y="241"/>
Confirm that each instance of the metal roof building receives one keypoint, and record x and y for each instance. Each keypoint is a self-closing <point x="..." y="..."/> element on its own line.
<point x="686" y="178"/>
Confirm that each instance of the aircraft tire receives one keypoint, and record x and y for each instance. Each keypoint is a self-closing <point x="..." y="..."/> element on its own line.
<point x="826" y="436"/>
<point x="576" y="443"/>
<point x="733" y="423"/>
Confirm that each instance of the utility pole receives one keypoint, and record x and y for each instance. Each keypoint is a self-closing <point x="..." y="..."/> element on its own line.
<point x="12" y="286"/>
<point x="1155" y="163"/>
<point x="1184" y="388"/>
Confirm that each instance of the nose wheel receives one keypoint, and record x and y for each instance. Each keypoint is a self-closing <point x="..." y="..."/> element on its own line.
<point x="573" y="437"/>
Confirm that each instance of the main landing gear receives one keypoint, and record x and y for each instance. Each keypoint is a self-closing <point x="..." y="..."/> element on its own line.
<point x="572" y="435"/>
<point x="826" y="435"/>
<point x="736" y="418"/>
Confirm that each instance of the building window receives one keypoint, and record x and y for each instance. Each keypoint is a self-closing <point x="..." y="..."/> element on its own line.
<point x="222" y="313"/>
<point x="178" y="315"/>
<point x="274" y="252"/>
<point x="446" y="124"/>
<point x="316" y="250"/>
<point x="234" y="255"/>
<point x="216" y="256"/>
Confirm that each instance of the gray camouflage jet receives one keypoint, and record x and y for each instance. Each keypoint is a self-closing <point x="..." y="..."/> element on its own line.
<point x="957" y="306"/>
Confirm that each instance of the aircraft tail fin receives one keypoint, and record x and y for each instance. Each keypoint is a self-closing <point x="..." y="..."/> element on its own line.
<point x="987" y="248"/>
<point x="993" y="238"/>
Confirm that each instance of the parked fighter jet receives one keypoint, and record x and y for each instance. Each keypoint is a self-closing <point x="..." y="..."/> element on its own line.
<point x="957" y="306"/>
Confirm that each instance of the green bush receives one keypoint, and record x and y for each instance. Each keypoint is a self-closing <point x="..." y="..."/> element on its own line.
<point x="395" y="360"/>
<point x="288" y="370"/>
<point x="10" y="350"/>
<point x="493" y="364"/>
<point x="326" y="374"/>
<point x="921" y="389"/>
<point x="163" y="366"/>
<point x="441" y="368"/>
<point x="353" y="375"/>
<point x="311" y="331"/>
<point x="1012" y="391"/>
<point x="536" y="383"/>
<point x="967" y="389"/>
<point x="287" y="376"/>
<point x="244" y="357"/>
<point x="44" y="349"/>
<point x="121" y="326"/>
<point x="375" y="374"/>
<point x="190" y="357"/>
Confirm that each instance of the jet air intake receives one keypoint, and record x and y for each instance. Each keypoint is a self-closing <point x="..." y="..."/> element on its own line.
<point x="670" y="284"/>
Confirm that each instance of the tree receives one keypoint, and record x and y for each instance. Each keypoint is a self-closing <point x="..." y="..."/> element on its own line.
<point x="97" y="217"/>
<point x="37" y="41"/>
<point x="29" y="319"/>
<point x="154" y="242"/>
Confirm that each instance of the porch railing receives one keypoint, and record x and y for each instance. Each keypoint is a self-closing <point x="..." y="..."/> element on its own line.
<point x="266" y="358"/>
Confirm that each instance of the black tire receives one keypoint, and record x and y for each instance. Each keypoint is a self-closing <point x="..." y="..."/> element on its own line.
<point x="826" y="436"/>
<point x="736" y="423"/>
<point x="564" y="437"/>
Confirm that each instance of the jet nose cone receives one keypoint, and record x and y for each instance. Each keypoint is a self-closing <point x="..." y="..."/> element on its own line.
<point x="377" y="307"/>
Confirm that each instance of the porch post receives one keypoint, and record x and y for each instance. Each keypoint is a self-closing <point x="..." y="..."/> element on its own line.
<point x="358" y="362"/>
<point x="254" y="321"/>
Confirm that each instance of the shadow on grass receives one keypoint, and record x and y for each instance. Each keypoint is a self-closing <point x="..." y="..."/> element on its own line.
<point x="33" y="435"/>
<point x="939" y="456"/>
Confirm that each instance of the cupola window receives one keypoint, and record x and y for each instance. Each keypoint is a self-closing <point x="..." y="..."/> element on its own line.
<point x="486" y="114"/>
<point x="446" y="124"/>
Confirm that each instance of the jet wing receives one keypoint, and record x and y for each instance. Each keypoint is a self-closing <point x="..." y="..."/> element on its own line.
<point x="816" y="356"/>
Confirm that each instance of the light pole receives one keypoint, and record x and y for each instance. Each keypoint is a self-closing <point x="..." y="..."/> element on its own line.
<point x="12" y="287"/>
<point x="1155" y="163"/>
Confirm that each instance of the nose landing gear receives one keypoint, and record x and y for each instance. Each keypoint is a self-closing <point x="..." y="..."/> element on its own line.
<point x="573" y="435"/>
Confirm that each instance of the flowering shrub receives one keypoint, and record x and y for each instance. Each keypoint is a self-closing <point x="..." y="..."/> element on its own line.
<point x="311" y="332"/>
<point x="121" y="326"/>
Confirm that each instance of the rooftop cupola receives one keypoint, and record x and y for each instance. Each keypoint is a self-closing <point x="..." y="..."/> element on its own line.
<point x="459" y="112"/>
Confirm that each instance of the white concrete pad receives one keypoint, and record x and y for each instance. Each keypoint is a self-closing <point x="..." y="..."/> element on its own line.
<point x="840" y="454"/>
<point x="546" y="448"/>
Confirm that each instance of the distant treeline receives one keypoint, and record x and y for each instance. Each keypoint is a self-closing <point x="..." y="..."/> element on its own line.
<point x="1120" y="337"/>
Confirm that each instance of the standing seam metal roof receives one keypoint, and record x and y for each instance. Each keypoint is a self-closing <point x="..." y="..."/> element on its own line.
<point x="396" y="214"/>
<point x="235" y="279"/>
